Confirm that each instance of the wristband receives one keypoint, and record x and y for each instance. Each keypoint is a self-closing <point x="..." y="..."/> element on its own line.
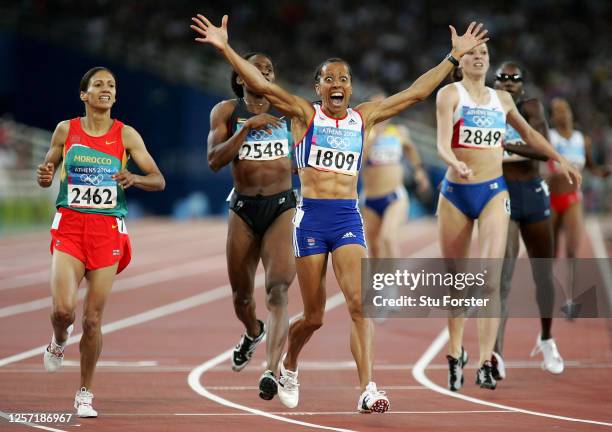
<point x="452" y="59"/>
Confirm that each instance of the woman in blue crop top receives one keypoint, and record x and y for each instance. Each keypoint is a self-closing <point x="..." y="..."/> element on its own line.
<point x="329" y="143"/>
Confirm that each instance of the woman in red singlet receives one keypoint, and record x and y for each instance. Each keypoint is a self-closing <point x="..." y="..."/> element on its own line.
<point x="88" y="236"/>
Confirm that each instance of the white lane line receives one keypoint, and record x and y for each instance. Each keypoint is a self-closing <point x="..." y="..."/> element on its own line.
<point x="343" y="413"/>
<point x="194" y="382"/>
<point x="327" y="387"/>
<point x="114" y="363"/>
<point x="7" y="416"/>
<point x="294" y="413"/>
<point x="149" y="368"/>
<point x="166" y="274"/>
<point x="158" y="312"/>
<point x="510" y="364"/>
<point x="418" y="372"/>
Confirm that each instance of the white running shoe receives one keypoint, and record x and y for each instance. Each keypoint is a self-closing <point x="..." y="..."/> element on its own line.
<point x="553" y="362"/>
<point x="499" y="367"/>
<point x="54" y="354"/>
<point x="373" y="400"/>
<point x="288" y="387"/>
<point x="82" y="403"/>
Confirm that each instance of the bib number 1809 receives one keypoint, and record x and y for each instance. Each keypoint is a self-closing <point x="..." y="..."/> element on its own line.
<point x="328" y="159"/>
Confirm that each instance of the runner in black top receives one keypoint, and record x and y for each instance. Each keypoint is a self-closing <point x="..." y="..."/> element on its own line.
<point x="249" y="133"/>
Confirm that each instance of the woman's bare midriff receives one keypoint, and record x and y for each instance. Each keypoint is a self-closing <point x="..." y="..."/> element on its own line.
<point x="262" y="177"/>
<point x="381" y="180"/>
<point x="327" y="184"/>
<point x="485" y="165"/>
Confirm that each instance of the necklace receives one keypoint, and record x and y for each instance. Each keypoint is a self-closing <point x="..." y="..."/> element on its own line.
<point x="253" y="103"/>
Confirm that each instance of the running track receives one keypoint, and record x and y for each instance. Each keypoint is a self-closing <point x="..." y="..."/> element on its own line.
<point x="169" y="324"/>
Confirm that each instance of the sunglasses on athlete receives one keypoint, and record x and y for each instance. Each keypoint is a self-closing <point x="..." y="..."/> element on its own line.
<point x="507" y="77"/>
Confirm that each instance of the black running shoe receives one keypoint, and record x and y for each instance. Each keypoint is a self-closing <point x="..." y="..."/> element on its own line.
<point x="246" y="347"/>
<point x="484" y="376"/>
<point x="498" y="368"/>
<point x="455" y="370"/>
<point x="268" y="386"/>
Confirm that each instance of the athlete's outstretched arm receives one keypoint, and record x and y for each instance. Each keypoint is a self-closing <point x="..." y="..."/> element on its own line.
<point x="223" y="147"/>
<point x="153" y="180"/>
<point x="446" y="100"/>
<point x="46" y="170"/>
<point x="537" y="119"/>
<point x="376" y="111"/>
<point x="535" y="139"/>
<point x="292" y="105"/>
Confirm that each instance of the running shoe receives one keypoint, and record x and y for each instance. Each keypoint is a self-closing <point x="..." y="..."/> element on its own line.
<point x="288" y="386"/>
<point x="268" y="386"/>
<point x="553" y="362"/>
<point x="82" y="403"/>
<point x="499" y="367"/>
<point x="246" y="347"/>
<point x="455" y="370"/>
<point x="484" y="376"/>
<point x="373" y="400"/>
<point x="54" y="354"/>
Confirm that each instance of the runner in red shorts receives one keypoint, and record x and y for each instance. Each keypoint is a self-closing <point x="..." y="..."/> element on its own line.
<point x="88" y="236"/>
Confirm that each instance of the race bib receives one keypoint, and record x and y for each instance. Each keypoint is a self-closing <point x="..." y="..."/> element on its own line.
<point x="92" y="187"/>
<point x="335" y="149"/>
<point x="481" y="128"/>
<point x="265" y="144"/>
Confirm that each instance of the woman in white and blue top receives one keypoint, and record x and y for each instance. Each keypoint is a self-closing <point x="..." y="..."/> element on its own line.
<point x="471" y="122"/>
<point x="385" y="200"/>
<point x="329" y="144"/>
<point x="566" y="198"/>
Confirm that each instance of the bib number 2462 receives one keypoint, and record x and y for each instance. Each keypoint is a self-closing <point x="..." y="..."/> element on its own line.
<point x="92" y="196"/>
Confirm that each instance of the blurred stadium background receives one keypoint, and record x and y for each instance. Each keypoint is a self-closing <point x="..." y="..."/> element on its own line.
<point x="167" y="83"/>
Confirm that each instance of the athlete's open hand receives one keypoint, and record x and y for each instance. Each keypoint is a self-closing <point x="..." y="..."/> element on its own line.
<point x="263" y="121"/>
<point x="474" y="36"/>
<point x="462" y="169"/>
<point x="570" y="172"/>
<point x="44" y="174"/>
<point x="125" y="178"/>
<point x="215" y="36"/>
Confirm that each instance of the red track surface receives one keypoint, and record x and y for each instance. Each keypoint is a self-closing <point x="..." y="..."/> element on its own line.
<point x="173" y="262"/>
